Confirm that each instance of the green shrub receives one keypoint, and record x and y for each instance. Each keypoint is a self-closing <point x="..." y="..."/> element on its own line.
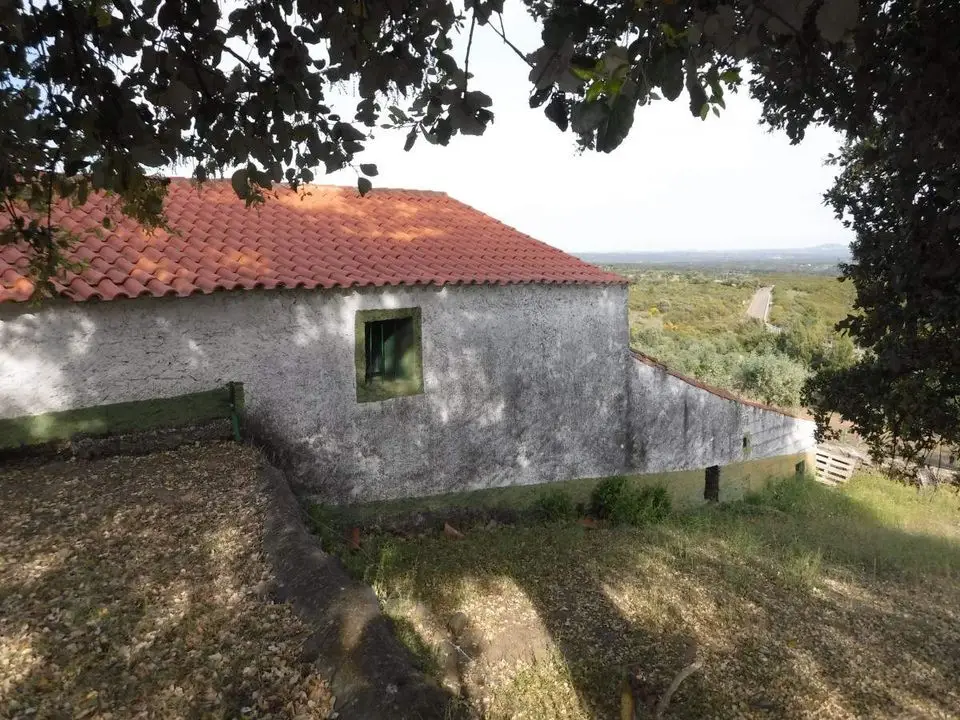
<point x="605" y="496"/>
<point x="656" y="503"/>
<point x="553" y="505"/>
<point x="774" y="379"/>
<point x="615" y="500"/>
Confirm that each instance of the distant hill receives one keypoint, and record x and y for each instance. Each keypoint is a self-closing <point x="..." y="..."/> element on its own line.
<point x="817" y="259"/>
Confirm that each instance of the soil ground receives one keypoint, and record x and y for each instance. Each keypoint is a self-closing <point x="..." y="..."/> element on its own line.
<point x="135" y="587"/>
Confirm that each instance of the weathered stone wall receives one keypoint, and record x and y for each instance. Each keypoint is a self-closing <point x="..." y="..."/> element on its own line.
<point x="677" y="424"/>
<point x="523" y="383"/>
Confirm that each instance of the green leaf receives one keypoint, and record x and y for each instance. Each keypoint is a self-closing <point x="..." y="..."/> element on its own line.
<point x="698" y="96"/>
<point x="411" y="139"/>
<point x="364" y="185"/>
<point x="369" y="169"/>
<point x="556" y="111"/>
<point x="614" y="59"/>
<point x="348" y="133"/>
<point x="476" y="99"/>
<point x="587" y="116"/>
<point x="704" y="111"/>
<point x="103" y="17"/>
<point x="72" y="167"/>
<point x="672" y="82"/>
<point x="731" y="76"/>
<point x="179" y="98"/>
<point x="240" y="184"/>
<point x="836" y="18"/>
<point x="595" y="90"/>
<point x="148" y="155"/>
<point x="619" y="120"/>
<point x="584" y="73"/>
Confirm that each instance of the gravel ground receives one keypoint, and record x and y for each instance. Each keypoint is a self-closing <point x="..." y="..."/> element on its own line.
<point x="135" y="587"/>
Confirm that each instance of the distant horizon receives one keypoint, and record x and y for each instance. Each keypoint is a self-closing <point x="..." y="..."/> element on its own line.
<point x="714" y="251"/>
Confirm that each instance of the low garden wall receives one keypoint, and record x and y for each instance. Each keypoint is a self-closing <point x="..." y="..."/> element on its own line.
<point x="678" y="423"/>
<point x="128" y="427"/>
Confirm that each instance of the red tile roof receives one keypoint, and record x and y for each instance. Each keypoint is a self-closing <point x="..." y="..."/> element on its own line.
<point x="328" y="238"/>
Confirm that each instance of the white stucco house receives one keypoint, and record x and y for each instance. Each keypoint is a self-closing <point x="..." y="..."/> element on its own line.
<point x="395" y="345"/>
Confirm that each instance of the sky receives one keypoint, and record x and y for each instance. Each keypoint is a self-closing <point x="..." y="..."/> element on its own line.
<point x="676" y="183"/>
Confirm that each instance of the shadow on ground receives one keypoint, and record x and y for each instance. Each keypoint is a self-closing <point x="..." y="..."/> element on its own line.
<point x="136" y="586"/>
<point x="804" y="602"/>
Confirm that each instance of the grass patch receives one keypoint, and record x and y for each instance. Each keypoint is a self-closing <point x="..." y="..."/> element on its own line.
<point x="615" y="500"/>
<point x="424" y="656"/>
<point x="804" y="600"/>
<point x="553" y="505"/>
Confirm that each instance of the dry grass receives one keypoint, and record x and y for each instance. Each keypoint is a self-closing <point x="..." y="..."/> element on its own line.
<point x="805" y="602"/>
<point x="135" y="587"/>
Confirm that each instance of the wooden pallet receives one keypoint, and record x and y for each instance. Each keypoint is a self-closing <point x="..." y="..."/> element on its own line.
<point x="834" y="465"/>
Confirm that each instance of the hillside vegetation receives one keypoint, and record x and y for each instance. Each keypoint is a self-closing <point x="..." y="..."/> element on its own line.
<point x="695" y="322"/>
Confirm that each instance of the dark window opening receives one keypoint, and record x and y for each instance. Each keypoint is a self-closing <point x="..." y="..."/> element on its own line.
<point x="711" y="488"/>
<point x="389" y="358"/>
<point x="387" y="345"/>
<point x="746" y="442"/>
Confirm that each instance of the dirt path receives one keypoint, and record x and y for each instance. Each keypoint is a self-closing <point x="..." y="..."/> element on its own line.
<point x="759" y="307"/>
<point x="136" y="587"/>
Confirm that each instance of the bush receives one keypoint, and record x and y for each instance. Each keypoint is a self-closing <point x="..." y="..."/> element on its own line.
<point x="605" y="496"/>
<point x="655" y="502"/>
<point x="553" y="505"/>
<point x="773" y="379"/>
<point x="615" y="500"/>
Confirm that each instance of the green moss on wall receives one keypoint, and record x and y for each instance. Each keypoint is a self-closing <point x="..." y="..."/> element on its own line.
<point x="685" y="488"/>
<point x="123" y="417"/>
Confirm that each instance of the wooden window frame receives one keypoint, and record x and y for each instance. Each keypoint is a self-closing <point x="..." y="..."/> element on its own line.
<point x="377" y="388"/>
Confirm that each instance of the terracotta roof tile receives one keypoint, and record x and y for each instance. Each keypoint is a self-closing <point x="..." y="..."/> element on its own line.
<point x="324" y="237"/>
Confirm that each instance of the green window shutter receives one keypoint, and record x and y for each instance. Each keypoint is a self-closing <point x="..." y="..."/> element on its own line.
<point x="389" y="339"/>
<point x="388" y="354"/>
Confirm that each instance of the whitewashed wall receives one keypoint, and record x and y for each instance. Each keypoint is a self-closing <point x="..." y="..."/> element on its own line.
<point x="678" y="425"/>
<point x="523" y="383"/>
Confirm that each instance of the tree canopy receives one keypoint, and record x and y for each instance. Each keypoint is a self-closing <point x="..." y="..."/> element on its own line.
<point x="100" y="95"/>
<point x="899" y="189"/>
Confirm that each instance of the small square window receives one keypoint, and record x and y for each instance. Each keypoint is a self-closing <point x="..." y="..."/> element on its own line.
<point x="389" y="361"/>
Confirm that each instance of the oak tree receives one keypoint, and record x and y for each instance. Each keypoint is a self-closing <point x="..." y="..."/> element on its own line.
<point x="102" y="95"/>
